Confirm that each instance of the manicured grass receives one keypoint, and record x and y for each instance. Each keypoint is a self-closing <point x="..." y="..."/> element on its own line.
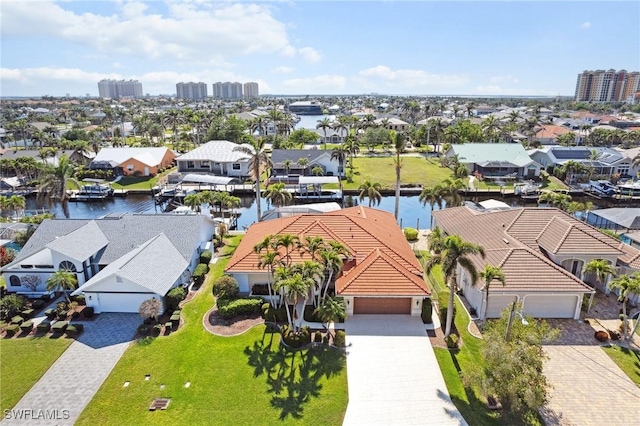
<point x="133" y="182"/>
<point x="415" y="170"/>
<point x="627" y="359"/>
<point x="22" y="362"/>
<point x="234" y="380"/>
<point x="555" y="184"/>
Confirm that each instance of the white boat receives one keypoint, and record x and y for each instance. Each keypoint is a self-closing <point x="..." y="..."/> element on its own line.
<point x="94" y="191"/>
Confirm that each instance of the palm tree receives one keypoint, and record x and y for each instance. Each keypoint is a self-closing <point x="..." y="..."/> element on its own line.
<point x="258" y="158"/>
<point x="286" y="165"/>
<point x="269" y="260"/>
<point x="371" y="191"/>
<point x="340" y="154"/>
<point x="303" y="162"/>
<point x="332" y="262"/>
<point x="294" y="287"/>
<point x="53" y="187"/>
<point x="278" y="195"/>
<point x="352" y="146"/>
<point x="489" y="274"/>
<point x="434" y="196"/>
<point x="451" y="252"/>
<point x="331" y="310"/>
<point x="62" y="281"/>
<point x="600" y="268"/>
<point x="194" y="201"/>
<point x="16" y="203"/>
<point x="626" y="285"/>
<point x="490" y="127"/>
<point x="400" y="144"/>
<point x="288" y="242"/>
<point x="451" y="189"/>
<point x="324" y="124"/>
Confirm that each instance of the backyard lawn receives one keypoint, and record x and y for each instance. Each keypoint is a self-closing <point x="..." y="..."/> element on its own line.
<point x="22" y="362"/>
<point x="415" y="170"/>
<point x="628" y="361"/>
<point x="233" y="380"/>
<point x="133" y="182"/>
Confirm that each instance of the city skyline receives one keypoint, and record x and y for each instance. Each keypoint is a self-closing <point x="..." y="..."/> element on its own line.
<point x="298" y="48"/>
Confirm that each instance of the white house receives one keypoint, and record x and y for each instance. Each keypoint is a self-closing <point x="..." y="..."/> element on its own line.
<point x="496" y="160"/>
<point x="217" y="157"/>
<point x="605" y="161"/>
<point x="118" y="260"/>
<point x="313" y="157"/>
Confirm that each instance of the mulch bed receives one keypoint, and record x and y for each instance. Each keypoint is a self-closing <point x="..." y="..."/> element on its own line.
<point x="215" y="324"/>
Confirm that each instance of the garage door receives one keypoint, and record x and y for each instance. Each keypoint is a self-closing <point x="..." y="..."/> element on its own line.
<point x="119" y="302"/>
<point x="563" y="306"/>
<point x="497" y="303"/>
<point x="382" y="305"/>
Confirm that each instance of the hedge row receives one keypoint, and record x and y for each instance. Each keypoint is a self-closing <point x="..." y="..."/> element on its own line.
<point x="271" y="314"/>
<point x="229" y="308"/>
<point x="199" y="273"/>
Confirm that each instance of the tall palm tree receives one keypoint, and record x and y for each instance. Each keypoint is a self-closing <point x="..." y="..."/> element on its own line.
<point x="278" y="195"/>
<point x="454" y="251"/>
<point x="269" y="260"/>
<point x="324" y="124"/>
<point x="332" y="262"/>
<point x="62" y="281"/>
<point x="194" y="201"/>
<point x="371" y="191"/>
<point x="352" y="146"/>
<point x="276" y="116"/>
<point x="173" y="118"/>
<point x="625" y="285"/>
<point x="400" y="145"/>
<point x="286" y="165"/>
<point x="340" y="154"/>
<point x="452" y="190"/>
<point x="434" y="196"/>
<point x="258" y="158"/>
<point x="600" y="268"/>
<point x="490" y="127"/>
<point x="489" y="274"/>
<point x="288" y="242"/>
<point x="16" y="203"/>
<point x="303" y="162"/>
<point x="53" y="186"/>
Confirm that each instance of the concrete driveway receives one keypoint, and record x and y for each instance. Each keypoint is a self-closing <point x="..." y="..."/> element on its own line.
<point x="393" y="374"/>
<point x="68" y="386"/>
<point x="588" y="388"/>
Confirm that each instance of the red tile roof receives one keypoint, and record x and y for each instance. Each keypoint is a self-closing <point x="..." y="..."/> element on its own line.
<point x="365" y="231"/>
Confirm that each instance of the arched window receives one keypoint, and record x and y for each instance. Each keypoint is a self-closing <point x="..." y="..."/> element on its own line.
<point x="14" y="281"/>
<point x="65" y="265"/>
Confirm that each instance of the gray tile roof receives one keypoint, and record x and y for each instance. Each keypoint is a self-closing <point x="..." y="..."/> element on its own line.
<point x="279" y="155"/>
<point x="217" y="151"/>
<point x="81" y="243"/>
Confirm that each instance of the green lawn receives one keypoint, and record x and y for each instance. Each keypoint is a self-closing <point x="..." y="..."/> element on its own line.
<point x="415" y="170"/>
<point x="628" y="361"/>
<point x="234" y="380"/>
<point x="22" y="362"/>
<point x="133" y="182"/>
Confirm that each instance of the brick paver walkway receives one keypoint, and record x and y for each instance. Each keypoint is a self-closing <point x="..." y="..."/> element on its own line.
<point x="72" y="381"/>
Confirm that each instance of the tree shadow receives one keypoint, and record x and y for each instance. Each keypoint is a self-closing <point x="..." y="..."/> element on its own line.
<point x="292" y="376"/>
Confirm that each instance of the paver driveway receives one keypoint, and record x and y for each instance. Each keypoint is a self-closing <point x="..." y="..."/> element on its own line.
<point x="68" y="386"/>
<point x="589" y="388"/>
<point x="393" y="374"/>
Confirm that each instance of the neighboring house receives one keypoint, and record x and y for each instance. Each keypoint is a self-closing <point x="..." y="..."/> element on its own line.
<point x="119" y="261"/>
<point x="315" y="157"/>
<point x="393" y="123"/>
<point x="333" y="135"/>
<point x="548" y="134"/>
<point x="217" y="157"/>
<point x="603" y="161"/>
<point x="138" y="161"/>
<point x="631" y="153"/>
<point x="73" y="154"/>
<point x="496" y="160"/>
<point x="623" y="218"/>
<point x="542" y="252"/>
<point x="381" y="276"/>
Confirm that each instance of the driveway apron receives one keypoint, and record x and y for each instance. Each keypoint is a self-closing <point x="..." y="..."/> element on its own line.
<point x="393" y="374"/>
<point x="66" y="388"/>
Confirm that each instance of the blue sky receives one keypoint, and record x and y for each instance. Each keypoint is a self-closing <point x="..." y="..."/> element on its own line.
<point x="313" y="47"/>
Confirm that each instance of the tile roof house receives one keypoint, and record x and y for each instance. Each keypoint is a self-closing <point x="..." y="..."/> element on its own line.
<point x="548" y="134"/>
<point x="140" y="161"/>
<point x="542" y="252"/>
<point x="216" y="157"/>
<point x="606" y="161"/>
<point x="496" y="159"/>
<point x="381" y="276"/>
<point x="119" y="261"/>
<point x="315" y="157"/>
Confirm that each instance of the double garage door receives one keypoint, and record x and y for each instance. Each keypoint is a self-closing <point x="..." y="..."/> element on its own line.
<point x="382" y="305"/>
<point x="538" y="306"/>
<point x="118" y="302"/>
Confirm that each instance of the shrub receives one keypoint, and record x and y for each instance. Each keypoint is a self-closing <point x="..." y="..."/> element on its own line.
<point x="144" y="329"/>
<point x="17" y="320"/>
<point x="71" y="307"/>
<point x="340" y="340"/>
<point x="614" y="335"/>
<point x="50" y="313"/>
<point x="410" y="234"/>
<point x="427" y="310"/>
<point x="150" y="308"/>
<point x="26" y="327"/>
<point x="88" y="312"/>
<point x="11" y="305"/>
<point x="452" y="341"/>
<point x="601" y="336"/>
<point x="205" y="257"/>
<point x="317" y="337"/>
<point x="231" y="308"/>
<point x="271" y="314"/>
<point x="11" y="330"/>
<point x="157" y="329"/>
<point x="174" y="297"/>
<point x="296" y="339"/>
<point x="59" y="327"/>
<point x="225" y="287"/>
<point x="73" y="330"/>
<point x="175" y="319"/>
<point x="43" y="327"/>
<point x="168" y="327"/>
<point x="199" y="273"/>
<point x="37" y="304"/>
<point x="79" y="299"/>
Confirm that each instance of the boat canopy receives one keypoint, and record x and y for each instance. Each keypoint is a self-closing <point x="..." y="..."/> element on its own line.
<point x="314" y="180"/>
<point x="209" y="179"/>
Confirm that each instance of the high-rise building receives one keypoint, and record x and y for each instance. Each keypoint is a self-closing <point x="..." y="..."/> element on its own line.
<point x="251" y="90"/>
<point x="194" y="91"/>
<point x="227" y="90"/>
<point x="606" y="86"/>
<point x="120" y="89"/>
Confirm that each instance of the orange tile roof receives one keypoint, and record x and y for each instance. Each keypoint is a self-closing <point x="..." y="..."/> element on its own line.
<point x="551" y="131"/>
<point x="361" y="229"/>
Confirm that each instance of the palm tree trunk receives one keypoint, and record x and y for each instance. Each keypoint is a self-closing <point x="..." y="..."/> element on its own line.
<point x="624" y="319"/>
<point x="258" y="195"/>
<point x="452" y="290"/>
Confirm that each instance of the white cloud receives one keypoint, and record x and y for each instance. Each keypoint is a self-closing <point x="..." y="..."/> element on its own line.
<point x="325" y="84"/>
<point x="410" y="79"/>
<point x="190" y="31"/>
<point x="117" y="65"/>
<point x="504" y="78"/>
<point x="585" y="25"/>
<point x="496" y="90"/>
<point x="283" y="70"/>
<point x="310" y="54"/>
